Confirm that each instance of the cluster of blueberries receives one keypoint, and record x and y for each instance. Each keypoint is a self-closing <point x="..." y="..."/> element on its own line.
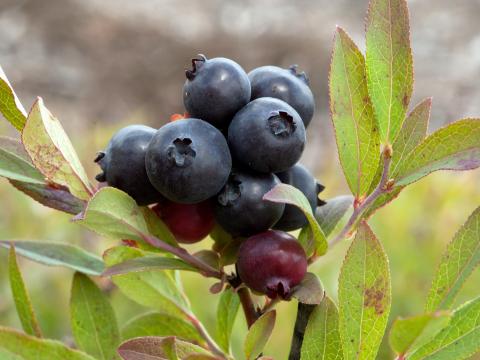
<point x="244" y="134"/>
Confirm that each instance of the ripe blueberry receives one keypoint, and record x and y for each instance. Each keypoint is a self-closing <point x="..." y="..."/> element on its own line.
<point x="123" y="163"/>
<point x="189" y="223"/>
<point x="267" y="135"/>
<point x="215" y="90"/>
<point x="272" y="263"/>
<point x="286" y="85"/>
<point x="299" y="177"/>
<point x="188" y="161"/>
<point x="239" y="207"/>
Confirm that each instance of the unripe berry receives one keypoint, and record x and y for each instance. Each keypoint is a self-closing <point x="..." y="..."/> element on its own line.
<point x="272" y="263"/>
<point x="189" y="223"/>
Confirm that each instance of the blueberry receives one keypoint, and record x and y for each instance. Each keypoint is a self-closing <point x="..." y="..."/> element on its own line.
<point x="286" y="85"/>
<point x="299" y="177"/>
<point x="272" y="263"/>
<point x="188" y="161"/>
<point x="189" y="223"/>
<point x="123" y="163"/>
<point x="239" y="207"/>
<point x="267" y="135"/>
<point x="215" y="90"/>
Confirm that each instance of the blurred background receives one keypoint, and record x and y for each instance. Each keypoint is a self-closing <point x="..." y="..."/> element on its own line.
<point x="102" y="64"/>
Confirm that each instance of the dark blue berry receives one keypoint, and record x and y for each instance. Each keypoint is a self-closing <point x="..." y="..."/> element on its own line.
<point x="267" y="135"/>
<point x="286" y="85"/>
<point x="188" y="161"/>
<point x="239" y="207"/>
<point x="299" y="177"/>
<point x="123" y="163"/>
<point x="215" y="90"/>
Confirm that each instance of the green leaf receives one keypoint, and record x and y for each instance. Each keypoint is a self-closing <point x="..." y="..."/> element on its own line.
<point x="461" y="257"/>
<point x="94" y="325"/>
<point x="287" y="194"/>
<point x="157" y="228"/>
<point x="52" y="152"/>
<point x="155" y="324"/>
<point x="332" y="212"/>
<point x="32" y="348"/>
<point x="112" y="213"/>
<point x="7" y="355"/>
<point x="158" y="348"/>
<point x="21" y="298"/>
<point x="459" y="340"/>
<point x="412" y="133"/>
<point x="258" y="335"/>
<point x="310" y="290"/>
<point x="364" y="296"/>
<point x="10" y="105"/>
<point x="454" y="147"/>
<point x="352" y="115"/>
<point x="158" y="290"/>
<point x="389" y="64"/>
<point x="52" y="196"/>
<point x="58" y="254"/>
<point x="148" y="263"/>
<point x="226" y="313"/>
<point x="15" y="163"/>
<point x="322" y="339"/>
<point x="407" y="335"/>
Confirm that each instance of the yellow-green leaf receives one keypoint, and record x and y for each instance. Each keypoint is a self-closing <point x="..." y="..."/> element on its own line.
<point x="113" y="213"/>
<point x="10" y="105"/>
<point x="332" y="212"/>
<point x="157" y="290"/>
<point x="15" y="163"/>
<point x="459" y="340"/>
<point x="352" y="115"/>
<point x="412" y="133"/>
<point x="389" y="64"/>
<point x="407" y="335"/>
<point x="58" y="254"/>
<point x="287" y="194"/>
<point x="93" y="321"/>
<point x="258" y="335"/>
<point x="159" y="348"/>
<point x="226" y="314"/>
<point x="454" y="147"/>
<point x="364" y="294"/>
<point x="32" y="348"/>
<point x="322" y="339"/>
<point x="21" y="298"/>
<point x="148" y="263"/>
<point x="156" y="324"/>
<point x="461" y="257"/>
<point x="52" y="152"/>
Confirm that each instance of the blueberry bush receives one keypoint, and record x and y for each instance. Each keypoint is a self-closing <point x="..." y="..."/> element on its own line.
<point x="228" y="169"/>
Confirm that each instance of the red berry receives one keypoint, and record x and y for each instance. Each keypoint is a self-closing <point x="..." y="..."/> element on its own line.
<point x="189" y="223"/>
<point x="272" y="263"/>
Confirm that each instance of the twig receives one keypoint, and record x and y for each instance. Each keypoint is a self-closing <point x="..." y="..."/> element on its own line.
<point x="251" y="314"/>
<point x="183" y="254"/>
<point x="212" y="345"/>
<point x="384" y="186"/>
<point x="303" y="314"/>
